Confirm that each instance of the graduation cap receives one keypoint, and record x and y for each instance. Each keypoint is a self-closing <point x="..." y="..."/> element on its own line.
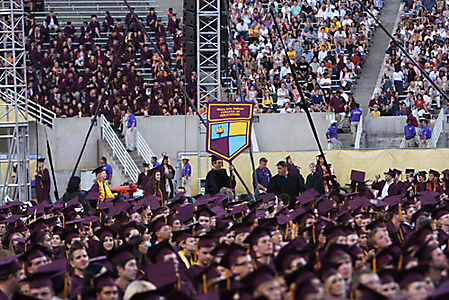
<point x="42" y="159"/>
<point x="185" y="213"/>
<point x="232" y="253"/>
<point x="255" y="235"/>
<point x="181" y="235"/>
<point x="105" y="231"/>
<point x="39" y="279"/>
<point x="9" y="265"/>
<point x="434" y="172"/>
<point x="390" y="172"/>
<point x="157" y="252"/>
<point x="331" y="232"/>
<point x="68" y="235"/>
<point x="241" y="228"/>
<point x="218" y="211"/>
<point x="327" y="270"/>
<point x="424" y="252"/>
<point x="370" y="294"/>
<point x="105" y="279"/>
<point x="98" y="170"/>
<point x="307" y="197"/>
<point x="407" y="276"/>
<point x="34" y="252"/>
<point x="161" y="274"/>
<point x="286" y="255"/>
<point x="326" y="206"/>
<point x="385" y="276"/>
<point x="206" y="241"/>
<point x="259" y="276"/>
<point x="120" y="254"/>
<point x="238" y="209"/>
<point x="357" y="176"/>
<point x="376" y="224"/>
<point x="410" y="171"/>
<point x="208" y="277"/>
<point x="301" y="275"/>
<point x="397" y="171"/>
<point x="37" y="237"/>
<point x="204" y="212"/>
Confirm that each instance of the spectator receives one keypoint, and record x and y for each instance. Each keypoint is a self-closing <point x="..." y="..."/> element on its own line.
<point x="338" y="105"/>
<point x="52" y="21"/>
<point x="354" y="120"/>
<point x="332" y="135"/>
<point x="263" y="175"/>
<point x="426" y="134"/>
<point x="375" y="112"/>
<point x="410" y="133"/>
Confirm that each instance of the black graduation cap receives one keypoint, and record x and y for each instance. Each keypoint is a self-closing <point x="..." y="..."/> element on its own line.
<point x="180" y="235"/>
<point x="120" y="254"/>
<point x="105" y="279"/>
<point x="205" y="211"/>
<point x="407" y="276"/>
<point x="34" y="252"/>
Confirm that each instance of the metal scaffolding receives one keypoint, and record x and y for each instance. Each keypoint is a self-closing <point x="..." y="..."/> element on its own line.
<point x="14" y="139"/>
<point x="208" y="53"/>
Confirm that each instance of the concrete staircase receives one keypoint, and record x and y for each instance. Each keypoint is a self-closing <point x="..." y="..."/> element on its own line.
<point x="379" y="44"/>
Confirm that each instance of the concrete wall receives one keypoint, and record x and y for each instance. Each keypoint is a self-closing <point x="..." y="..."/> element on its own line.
<point x="274" y="132"/>
<point x="66" y="139"/>
<point x="385" y="124"/>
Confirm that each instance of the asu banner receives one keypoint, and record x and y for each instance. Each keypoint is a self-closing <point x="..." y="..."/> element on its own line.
<point x="228" y="128"/>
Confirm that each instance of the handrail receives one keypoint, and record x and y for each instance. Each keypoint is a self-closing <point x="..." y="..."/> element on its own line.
<point x="42" y="114"/>
<point x="402" y="145"/>
<point x="254" y="142"/>
<point x="437" y="129"/>
<point x="108" y="134"/>
<point x="358" y="137"/>
<point x="143" y="149"/>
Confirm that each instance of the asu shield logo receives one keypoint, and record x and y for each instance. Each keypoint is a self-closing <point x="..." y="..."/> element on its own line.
<point x="229" y="129"/>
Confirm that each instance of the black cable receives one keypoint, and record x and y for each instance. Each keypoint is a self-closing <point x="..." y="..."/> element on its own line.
<point x="97" y="111"/>
<point x="50" y="159"/>
<point x="239" y="86"/>
<point x="303" y="100"/>
<point x="405" y="51"/>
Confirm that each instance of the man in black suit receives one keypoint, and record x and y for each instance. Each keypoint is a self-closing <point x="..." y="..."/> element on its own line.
<point x="286" y="182"/>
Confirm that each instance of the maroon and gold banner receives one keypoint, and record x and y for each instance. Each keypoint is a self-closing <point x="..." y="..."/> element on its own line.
<point x="228" y="128"/>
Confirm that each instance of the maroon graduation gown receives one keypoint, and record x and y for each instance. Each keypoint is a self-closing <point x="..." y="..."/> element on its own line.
<point x="43" y="186"/>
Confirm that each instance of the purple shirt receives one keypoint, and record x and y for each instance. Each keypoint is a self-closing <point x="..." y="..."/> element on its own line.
<point x="263" y="177"/>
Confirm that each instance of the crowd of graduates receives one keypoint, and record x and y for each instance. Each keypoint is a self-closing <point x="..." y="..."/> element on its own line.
<point x="348" y="242"/>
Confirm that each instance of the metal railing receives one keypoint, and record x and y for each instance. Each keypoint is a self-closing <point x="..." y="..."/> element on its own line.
<point x="437" y="129"/>
<point x="118" y="150"/>
<point x="143" y="149"/>
<point x="254" y="142"/>
<point x="402" y="145"/>
<point x="359" y="132"/>
<point x="37" y="111"/>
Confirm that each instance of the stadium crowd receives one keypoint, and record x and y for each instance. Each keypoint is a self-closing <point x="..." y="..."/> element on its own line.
<point x="422" y="31"/>
<point x="301" y="239"/>
<point x="327" y="43"/>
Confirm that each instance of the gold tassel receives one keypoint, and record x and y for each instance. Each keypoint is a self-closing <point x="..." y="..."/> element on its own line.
<point x="66" y="285"/>
<point x="318" y="262"/>
<point x="78" y="297"/>
<point x="63" y="221"/>
<point x="24" y="269"/>
<point x="195" y="255"/>
<point x="401" y="258"/>
<point x="178" y="281"/>
<point x="374" y="264"/>
<point x="313" y="234"/>
<point x="228" y="280"/>
<point x="400" y="233"/>
<point x="286" y="232"/>
<point x="204" y="283"/>
<point x="400" y="211"/>
<point x="292" y="291"/>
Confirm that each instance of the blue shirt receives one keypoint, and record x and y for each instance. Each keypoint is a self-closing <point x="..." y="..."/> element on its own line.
<point x="409" y="131"/>
<point x="427" y="132"/>
<point x="157" y="164"/>
<point x="332" y="132"/>
<point x="187" y="169"/>
<point x="132" y="120"/>
<point x="108" y="170"/>
<point x="317" y="99"/>
<point x="356" y="114"/>
<point x="263" y="177"/>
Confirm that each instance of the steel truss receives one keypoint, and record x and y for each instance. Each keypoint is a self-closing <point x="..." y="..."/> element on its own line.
<point x="14" y="131"/>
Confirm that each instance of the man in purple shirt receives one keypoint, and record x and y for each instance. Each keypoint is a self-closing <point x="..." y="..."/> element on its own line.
<point x="410" y="132"/>
<point x="263" y="175"/>
<point x="186" y="175"/>
<point x="107" y="167"/>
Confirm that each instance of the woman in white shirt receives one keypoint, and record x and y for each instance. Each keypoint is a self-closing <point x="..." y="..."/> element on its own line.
<point x="282" y="95"/>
